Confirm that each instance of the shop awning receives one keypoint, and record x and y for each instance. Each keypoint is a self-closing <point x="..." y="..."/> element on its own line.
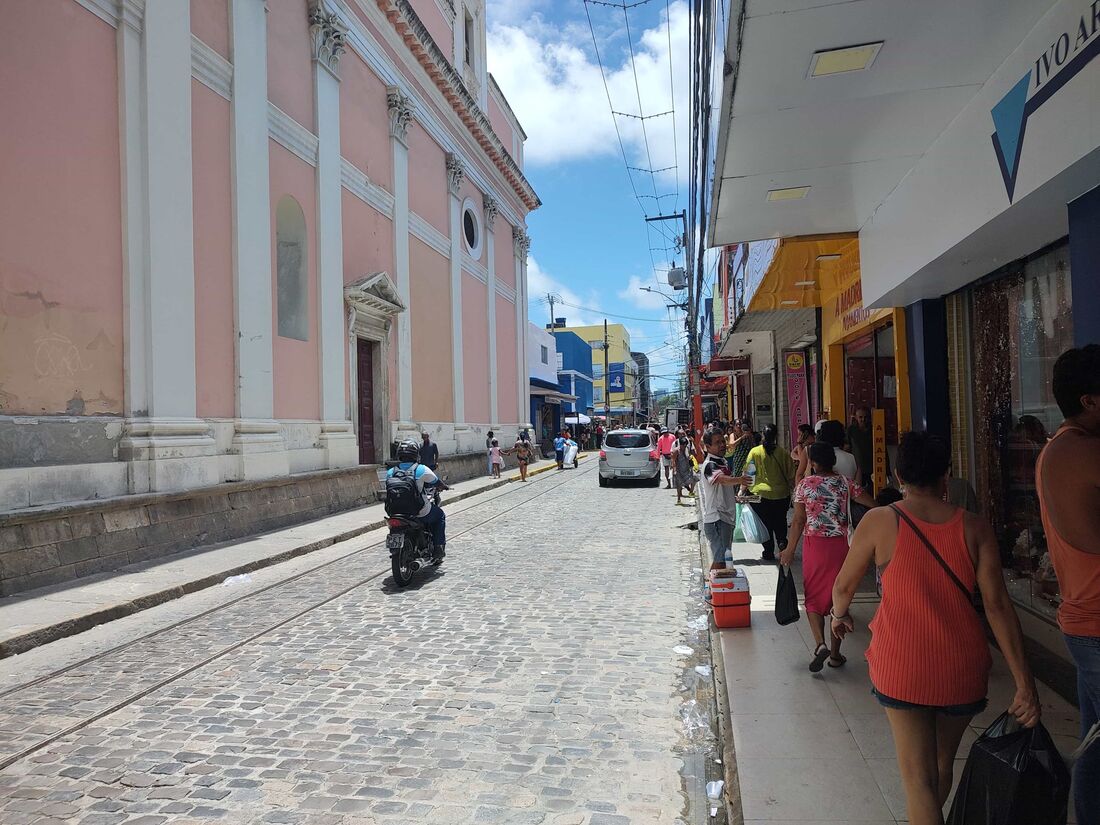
<point x="551" y="396"/>
<point x="804" y="271"/>
<point x="815" y="131"/>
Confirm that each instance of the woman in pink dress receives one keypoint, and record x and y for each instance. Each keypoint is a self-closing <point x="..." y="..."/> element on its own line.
<point x="821" y="508"/>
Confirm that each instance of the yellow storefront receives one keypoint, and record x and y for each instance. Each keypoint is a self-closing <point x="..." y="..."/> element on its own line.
<point x="865" y="358"/>
<point x="864" y="355"/>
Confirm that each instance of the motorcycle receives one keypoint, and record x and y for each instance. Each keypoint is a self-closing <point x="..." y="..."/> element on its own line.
<point x="411" y="546"/>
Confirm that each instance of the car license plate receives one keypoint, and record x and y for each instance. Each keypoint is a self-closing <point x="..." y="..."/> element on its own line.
<point x="628" y="472"/>
<point x="395" y="541"/>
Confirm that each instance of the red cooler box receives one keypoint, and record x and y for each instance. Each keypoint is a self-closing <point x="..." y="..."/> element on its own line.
<point x="730" y="596"/>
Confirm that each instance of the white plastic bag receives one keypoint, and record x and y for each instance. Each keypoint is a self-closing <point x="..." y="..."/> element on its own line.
<point x="752" y="528"/>
<point x="570" y="452"/>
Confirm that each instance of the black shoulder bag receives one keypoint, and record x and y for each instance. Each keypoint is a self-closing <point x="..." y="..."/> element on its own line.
<point x="971" y="597"/>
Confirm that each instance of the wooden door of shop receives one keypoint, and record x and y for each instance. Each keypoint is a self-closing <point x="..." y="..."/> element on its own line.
<point x="365" y="394"/>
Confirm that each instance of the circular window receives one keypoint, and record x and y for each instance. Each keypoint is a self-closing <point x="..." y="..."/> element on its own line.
<point x="471" y="228"/>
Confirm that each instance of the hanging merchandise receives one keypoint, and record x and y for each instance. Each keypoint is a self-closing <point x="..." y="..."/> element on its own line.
<point x="1013" y="776"/>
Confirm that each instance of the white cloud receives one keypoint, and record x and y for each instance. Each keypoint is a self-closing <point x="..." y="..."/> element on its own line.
<point x="553" y="83"/>
<point x="540" y="283"/>
<point x="635" y="296"/>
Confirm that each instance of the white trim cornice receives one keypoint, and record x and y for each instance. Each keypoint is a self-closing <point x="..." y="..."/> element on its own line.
<point x="356" y="181"/>
<point x="132" y="13"/>
<point x="423" y="230"/>
<point x="105" y="10"/>
<point x="475" y="268"/>
<point x="364" y="44"/>
<point x="506" y="292"/>
<point x="211" y="69"/>
<point x="291" y="134"/>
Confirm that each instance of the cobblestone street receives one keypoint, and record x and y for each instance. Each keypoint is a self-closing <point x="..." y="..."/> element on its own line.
<point x="534" y="679"/>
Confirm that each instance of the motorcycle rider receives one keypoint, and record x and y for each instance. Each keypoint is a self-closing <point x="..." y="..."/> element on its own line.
<point x="431" y="514"/>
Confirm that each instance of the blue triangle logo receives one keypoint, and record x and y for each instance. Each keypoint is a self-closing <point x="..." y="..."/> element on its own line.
<point x="1008" y="122"/>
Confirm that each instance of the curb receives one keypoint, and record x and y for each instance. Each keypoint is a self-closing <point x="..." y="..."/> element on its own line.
<point x="731" y="792"/>
<point x="70" y="627"/>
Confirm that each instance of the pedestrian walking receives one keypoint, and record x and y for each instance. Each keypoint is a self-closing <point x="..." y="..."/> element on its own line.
<point x="771" y="472"/>
<point x="682" y="471"/>
<point x="1068" y="481"/>
<point x="859" y="441"/>
<point x="429" y="452"/>
<point x="488" y="452"/>
<point x="523" y="452"/>
<point x="665" y="445"/>
<point x="718" y="499"/>
<point x="559" y="449"/>
<point x="822" y="510"/>
<point x="801" y="451"/>
<point x="929" y="658"/>
<point x="739" y="443"/>
<point x="832" y="433"/>
<point x="496" y="458"/>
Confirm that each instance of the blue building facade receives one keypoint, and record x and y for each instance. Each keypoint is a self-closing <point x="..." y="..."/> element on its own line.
<point x="574" y="370"/>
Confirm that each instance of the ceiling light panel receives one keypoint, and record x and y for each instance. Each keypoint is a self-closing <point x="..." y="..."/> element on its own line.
<point x="793" y="193"/>
<point x="842" y="61"/>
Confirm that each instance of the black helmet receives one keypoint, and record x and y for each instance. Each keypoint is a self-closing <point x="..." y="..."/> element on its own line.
<point x="408" y="450"/>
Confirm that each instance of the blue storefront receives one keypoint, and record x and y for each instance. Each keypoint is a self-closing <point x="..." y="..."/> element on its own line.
<point x="574" y="370"/>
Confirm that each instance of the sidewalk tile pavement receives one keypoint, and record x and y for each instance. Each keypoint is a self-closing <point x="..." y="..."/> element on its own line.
<point x="816" y="749"/>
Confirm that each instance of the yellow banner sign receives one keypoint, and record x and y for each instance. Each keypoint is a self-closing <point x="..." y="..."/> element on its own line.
<point x="843" y="315"/>
<point x="878" y="442"/>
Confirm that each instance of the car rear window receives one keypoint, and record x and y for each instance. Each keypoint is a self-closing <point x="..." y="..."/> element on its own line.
<point x="628" y="440"/>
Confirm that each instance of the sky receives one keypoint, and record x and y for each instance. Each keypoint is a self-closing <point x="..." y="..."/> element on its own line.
<point x="590" y="243"/>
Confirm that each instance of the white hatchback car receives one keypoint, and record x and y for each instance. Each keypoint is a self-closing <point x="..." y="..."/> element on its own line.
<point x="629" y="454"/>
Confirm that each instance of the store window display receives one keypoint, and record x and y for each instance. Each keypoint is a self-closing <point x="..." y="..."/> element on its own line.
<point x="1020" y="323"/>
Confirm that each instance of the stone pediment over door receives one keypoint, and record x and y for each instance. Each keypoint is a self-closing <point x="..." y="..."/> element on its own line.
<point x="374" y="297"/>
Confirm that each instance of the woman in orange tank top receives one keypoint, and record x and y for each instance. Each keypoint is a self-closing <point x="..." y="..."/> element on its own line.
<point x="928" y="658"/>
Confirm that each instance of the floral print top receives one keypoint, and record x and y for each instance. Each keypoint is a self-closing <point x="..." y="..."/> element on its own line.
<point x="826" y="500"/>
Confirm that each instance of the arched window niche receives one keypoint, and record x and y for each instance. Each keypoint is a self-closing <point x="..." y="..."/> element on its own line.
<point x="291" y="268"/>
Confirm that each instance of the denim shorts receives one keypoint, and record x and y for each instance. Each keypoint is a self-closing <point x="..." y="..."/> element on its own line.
<point x="720" y="535"/>
<point x="969" y="709"/>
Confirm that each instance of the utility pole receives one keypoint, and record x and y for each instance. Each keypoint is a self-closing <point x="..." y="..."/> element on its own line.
<point x="692" y="316"/>
<point x="551" y="299"/>
<point x="606" y="381"/>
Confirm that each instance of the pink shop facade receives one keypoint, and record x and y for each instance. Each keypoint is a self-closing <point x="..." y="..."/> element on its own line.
<point x="245" y="239"/>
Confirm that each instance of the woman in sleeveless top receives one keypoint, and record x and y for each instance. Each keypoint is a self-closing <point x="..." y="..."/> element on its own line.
<point x="929" y="658"/>
<point x="822" y="502"/>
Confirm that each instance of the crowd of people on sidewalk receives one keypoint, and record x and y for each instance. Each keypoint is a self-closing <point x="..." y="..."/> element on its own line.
<point x="934" y="556"/>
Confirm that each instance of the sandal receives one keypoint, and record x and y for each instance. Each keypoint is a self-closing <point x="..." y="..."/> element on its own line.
<point x="818" y="661"/>
<point x="838" y="661"/>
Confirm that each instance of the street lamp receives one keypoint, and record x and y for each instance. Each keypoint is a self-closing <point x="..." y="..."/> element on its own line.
<point x="675" y="303"/>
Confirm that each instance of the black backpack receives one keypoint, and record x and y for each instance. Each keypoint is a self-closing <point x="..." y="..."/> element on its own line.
<point x="403" y="495"/>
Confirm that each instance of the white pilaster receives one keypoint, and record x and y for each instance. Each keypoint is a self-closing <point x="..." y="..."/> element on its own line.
<point x="521" y="243"/>
<point x="257" y="437"/>
<point x="491" y="209"/>
<point x="455" y="173"/>
<point x="134" y="191"/>
<point x="165" y="446"/>
<point x="169" y="226"/>
<point x="328" y="45"/>
<point x="401" y="112"/>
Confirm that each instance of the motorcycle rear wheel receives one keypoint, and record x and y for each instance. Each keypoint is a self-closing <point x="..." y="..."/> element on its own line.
<point x="401" y="564"/>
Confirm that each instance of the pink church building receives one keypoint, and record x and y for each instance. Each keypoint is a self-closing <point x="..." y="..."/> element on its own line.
<point x="245" y="240"/>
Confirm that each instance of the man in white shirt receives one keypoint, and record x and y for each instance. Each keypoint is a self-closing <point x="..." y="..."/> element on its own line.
<point x="718" y="498"/>
<point x="832" y="433"/>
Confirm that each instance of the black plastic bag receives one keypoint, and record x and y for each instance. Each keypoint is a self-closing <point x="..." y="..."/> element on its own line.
<point x="786" y="597"/>
<point x="1013" y="776"/>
